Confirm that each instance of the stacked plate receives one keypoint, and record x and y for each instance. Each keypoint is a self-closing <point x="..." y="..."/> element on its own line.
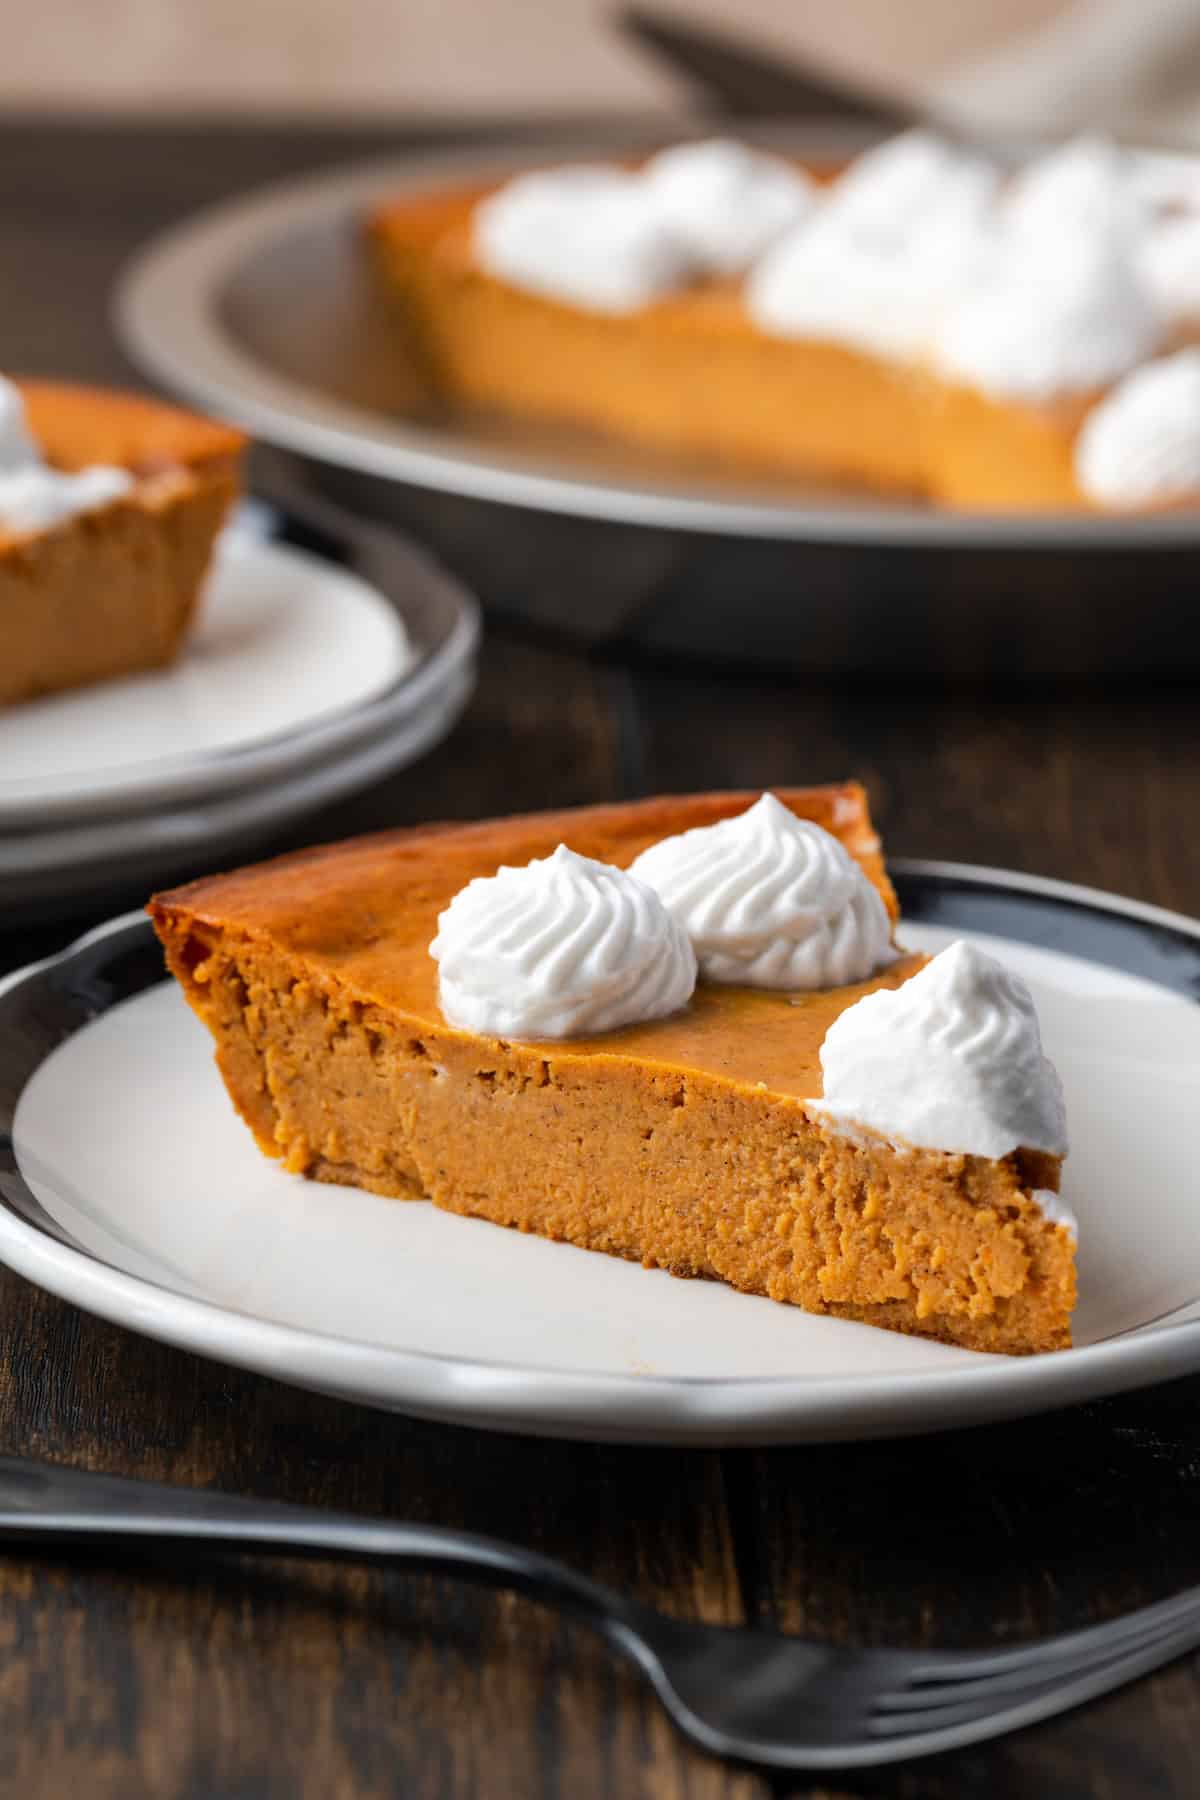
<point x="324" y="657"/>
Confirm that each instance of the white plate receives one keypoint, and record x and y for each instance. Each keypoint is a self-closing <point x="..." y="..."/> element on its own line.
<point x="284" y="643"/>
<point x="53" y="869"/>
<point x="264" y="787"/>
<point x="182" y="1230"/>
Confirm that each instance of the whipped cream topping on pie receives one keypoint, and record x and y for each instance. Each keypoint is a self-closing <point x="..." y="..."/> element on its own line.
<point x="1141" y="445"/>
<point x="614" y="240"/>
<point x="952" y="1060"/>
<point x="1059" y="315"/>
<point x="824" y="283"/>
<point x="17" y="448"/>
<point x="901" y="234"/>
<point x="1056" y="1210"/>
<point x="588" y="234"/>
<point x="726" y="203"/>
<point x="888" y="193"/>
<point x="1079" y="185"/>
<point x="1164" y="180"/>
<point x="1169" y="262"/>
<point x="771" y="901"/>
<point x="563" y="947"/>
<point x="33" y="496"/>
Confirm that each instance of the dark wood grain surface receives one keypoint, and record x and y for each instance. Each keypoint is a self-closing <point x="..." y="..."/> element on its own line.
<point x="254" y="1680"/>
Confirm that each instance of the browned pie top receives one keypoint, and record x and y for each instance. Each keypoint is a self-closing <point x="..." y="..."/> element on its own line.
<point x="363" y="913"/>
<point x="77" y="426"/>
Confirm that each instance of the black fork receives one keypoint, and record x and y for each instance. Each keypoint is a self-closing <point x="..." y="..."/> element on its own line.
<point x="756" y="1695"/>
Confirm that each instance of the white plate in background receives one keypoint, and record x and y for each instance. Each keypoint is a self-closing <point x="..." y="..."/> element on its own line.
<point x="196" y="810"/>
<point x="54" y="871"/>
<point x="284" y="647"/>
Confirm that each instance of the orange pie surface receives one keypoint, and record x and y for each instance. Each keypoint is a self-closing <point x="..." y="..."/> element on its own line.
<point x="683" y="1143"/>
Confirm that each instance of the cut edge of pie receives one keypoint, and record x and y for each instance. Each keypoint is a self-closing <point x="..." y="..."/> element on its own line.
<point x="684" y="1143"/>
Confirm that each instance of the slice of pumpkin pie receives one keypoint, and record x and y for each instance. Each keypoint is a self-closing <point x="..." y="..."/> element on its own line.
<point x="110" y="504"/>
<point x="678" y="1031"/>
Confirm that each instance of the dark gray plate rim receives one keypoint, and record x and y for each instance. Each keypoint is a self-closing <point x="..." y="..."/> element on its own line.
<point x="169" y="313"/>
<point x="43" y="1005"/>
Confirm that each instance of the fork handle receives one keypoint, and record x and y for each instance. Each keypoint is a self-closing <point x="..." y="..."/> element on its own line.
<point x="48" y="1501"/>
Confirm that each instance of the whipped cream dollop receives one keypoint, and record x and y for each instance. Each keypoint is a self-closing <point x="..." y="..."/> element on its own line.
<point x="614" y="240"/>
<point x="17" y="448"/>
<point x="33" y="496"/>
<point x="1056" y="1209"/>
<point x="563" y="947"/>
<point x="724" y="202"/>
<point x="588" y="234"/>
<point x="889" y="192"/>
<point x="880" y="260"/>
<point x="1141" y="445"/>
<point x="769" y="900"/>
<point x="1080" y="185"/>
<point x="1164" y="180"/>
<point x="1057" y="315"/>
<point x="33" y="499"/>
<point x="1169" y="263"/>
<point x="952" y="1060"/>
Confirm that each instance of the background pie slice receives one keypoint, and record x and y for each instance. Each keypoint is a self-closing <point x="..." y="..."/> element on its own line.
<point x="112" y="591"/>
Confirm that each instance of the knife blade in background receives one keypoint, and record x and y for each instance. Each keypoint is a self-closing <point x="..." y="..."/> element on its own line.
<point x="755" y="83"/>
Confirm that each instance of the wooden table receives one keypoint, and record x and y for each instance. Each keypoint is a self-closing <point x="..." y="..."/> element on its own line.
<point x="254" y="1680"/>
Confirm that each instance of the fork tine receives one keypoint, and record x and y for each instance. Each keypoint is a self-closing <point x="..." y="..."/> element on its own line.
<point x="929" y="1702"/>
<point x="1028" y="1659"/>
<point x="1065" y="1657"/>
<point x="1040" y="1696"/>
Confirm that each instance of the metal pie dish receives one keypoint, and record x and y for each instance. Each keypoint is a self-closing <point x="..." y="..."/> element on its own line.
<point x="263" y="310"/>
